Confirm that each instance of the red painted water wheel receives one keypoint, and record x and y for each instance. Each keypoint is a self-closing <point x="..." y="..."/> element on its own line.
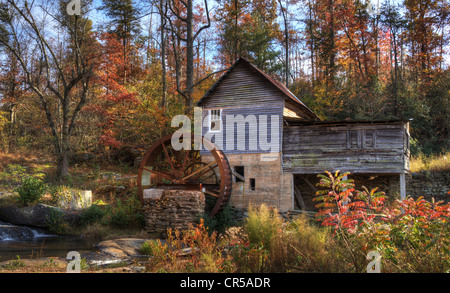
<point x="166" y="168"/>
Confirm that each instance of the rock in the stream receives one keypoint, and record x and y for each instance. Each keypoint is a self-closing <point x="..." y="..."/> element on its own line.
<point x="121" y="248"/>
<point x="35" y="216"/>
<point x="108" y="252"/>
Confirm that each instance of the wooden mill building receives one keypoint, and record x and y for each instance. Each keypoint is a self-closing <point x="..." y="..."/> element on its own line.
<point x="277" y="145"/>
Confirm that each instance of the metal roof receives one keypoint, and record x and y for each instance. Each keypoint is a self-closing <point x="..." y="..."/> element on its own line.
<point x="292" y="121"/>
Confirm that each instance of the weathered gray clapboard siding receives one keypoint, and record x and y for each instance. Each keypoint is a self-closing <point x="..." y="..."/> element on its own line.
<point x="357" y="148"/>
<point x="247" y="137"/>
<point x="242" y="87"/>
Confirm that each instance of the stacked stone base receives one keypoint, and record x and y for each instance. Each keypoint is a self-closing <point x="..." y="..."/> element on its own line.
<point x="175" y="209"/>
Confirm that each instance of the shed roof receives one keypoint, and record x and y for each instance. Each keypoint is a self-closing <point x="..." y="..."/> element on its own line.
<point x="296" y="121"/>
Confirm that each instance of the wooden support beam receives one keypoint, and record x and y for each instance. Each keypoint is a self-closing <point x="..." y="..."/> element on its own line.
<point x="237" y="175"/>
<point x="298" y="198"/>
<point x="207" y="191"/>
<point x="402" y="186"/>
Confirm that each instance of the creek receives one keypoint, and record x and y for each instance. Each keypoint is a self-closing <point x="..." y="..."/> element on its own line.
<point x="26" y="242"/>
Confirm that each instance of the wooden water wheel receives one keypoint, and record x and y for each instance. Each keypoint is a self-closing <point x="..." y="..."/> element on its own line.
<point x="164" y="167"/>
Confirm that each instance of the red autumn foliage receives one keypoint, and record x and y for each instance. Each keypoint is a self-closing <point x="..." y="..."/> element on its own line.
<point x="343" y="207"/>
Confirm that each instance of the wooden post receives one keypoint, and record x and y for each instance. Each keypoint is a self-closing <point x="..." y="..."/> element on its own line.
<point x="402" y="186"/>
<point x="345" y="178"/>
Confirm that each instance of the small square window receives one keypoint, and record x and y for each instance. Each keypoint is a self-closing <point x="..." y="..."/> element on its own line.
<point x="369" y="139"/>
<point x="239" y="170"/>
<point x="215" y="120"/>
<point x="252" y="184"/>
<point x="353" y="139"/>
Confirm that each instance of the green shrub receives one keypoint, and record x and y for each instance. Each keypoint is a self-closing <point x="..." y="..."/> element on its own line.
<point x="153" y="247"/>
<point x="120" y="218"/>
<point x="220" y="222"/>
<point x="56" y="222"/>
<point x="126" y="214"/>
<point x="93" y="214"/>
<point x="31" y="191"/>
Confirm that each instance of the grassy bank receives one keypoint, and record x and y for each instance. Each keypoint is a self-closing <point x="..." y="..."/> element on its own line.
<point x="430" y="163"/>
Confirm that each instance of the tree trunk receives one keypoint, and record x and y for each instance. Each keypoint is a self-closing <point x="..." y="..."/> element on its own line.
<point x="331" y="52"/>
<point x="189" y="59"/>
<point x="62" y="169"/>
<point x="311" y="36"/>
<point x="286" y="36"/>
<point x="163" y="54"/>
<point x="12" y="127"/>
<point x="236" y="55"/>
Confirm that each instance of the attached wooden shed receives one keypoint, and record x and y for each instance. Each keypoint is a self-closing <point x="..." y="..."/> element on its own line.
<point x="353" y="146"/>
<point x="276" y="137"/>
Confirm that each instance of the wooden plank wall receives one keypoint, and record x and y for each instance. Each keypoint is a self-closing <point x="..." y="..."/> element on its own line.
<point x="246" y="133"/>
<point x="243" y="87"/>
<point x="353" y="147"/>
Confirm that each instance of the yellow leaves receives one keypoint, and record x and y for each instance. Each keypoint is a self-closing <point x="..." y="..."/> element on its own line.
<point x="3" y="120"/>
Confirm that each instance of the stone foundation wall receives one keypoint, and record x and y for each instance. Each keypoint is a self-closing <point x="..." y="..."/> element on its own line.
<point x="175" y="209"/>
<point x="429" y="184"/>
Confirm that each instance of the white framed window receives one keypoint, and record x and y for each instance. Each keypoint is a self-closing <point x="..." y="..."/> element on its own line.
<point x="215" y="120"/>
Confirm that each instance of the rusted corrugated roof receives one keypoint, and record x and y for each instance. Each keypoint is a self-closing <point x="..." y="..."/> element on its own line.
<point x="292" y="121"/>
<point x="273" y="81"/>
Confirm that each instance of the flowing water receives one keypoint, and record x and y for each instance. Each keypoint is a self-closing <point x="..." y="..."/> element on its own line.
<point x="25" y="242"/>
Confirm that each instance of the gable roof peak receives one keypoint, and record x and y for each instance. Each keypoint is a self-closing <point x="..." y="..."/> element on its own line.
<point x="280" y="86"/>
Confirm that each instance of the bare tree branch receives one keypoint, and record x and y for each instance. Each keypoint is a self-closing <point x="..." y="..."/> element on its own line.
<point x="177" y="14"/>
<point x="205" y="26"/>
<point x="208" y="76"/>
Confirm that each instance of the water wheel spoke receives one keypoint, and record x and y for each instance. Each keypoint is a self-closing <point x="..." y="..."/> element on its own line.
<point x="209" y="176"/>
<point x="169" y="158"/>
<point x="159" y="173"/>
<point x="199" y="171"/>
<point x="183" y="166"/>
<point x="211" y="192"/>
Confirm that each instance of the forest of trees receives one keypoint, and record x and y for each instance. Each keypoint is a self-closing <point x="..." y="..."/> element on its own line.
<point x="112" y="77"/>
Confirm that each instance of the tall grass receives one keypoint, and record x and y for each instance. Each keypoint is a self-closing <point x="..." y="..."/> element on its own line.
<point x="298" y="246"/>
<point x="422" y="162"/>
<point x="263" y="226"/>
<point x="312" y="248"/>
